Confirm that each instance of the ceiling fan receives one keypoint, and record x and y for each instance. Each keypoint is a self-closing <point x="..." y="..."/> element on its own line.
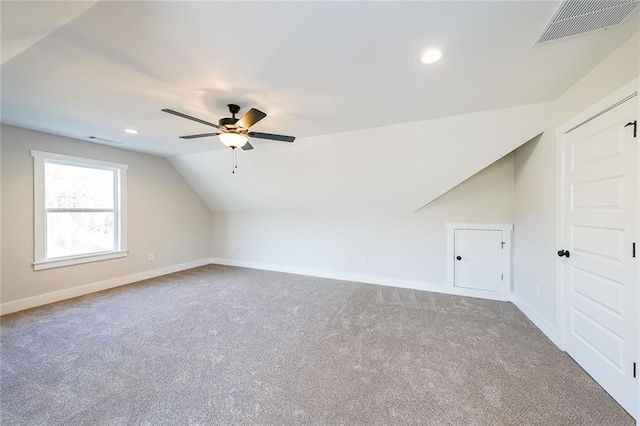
<point x="234" y="132"/>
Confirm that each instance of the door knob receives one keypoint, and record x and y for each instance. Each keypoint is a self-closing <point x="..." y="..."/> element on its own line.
<point x="564" y="253"/>
<point x="459" y="257"/>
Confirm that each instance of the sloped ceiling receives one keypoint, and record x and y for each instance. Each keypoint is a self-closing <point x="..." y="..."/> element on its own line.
<point x="316" y="68"/>
<point x="376" y="128"/>
<point x="24" y="23"/>
<point x="392" y="169"/>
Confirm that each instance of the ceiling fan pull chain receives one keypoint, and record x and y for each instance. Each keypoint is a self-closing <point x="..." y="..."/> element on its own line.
<point x="233" y="161"/>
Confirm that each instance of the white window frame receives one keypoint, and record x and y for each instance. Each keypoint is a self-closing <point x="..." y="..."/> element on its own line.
<point x="120" y="210"/>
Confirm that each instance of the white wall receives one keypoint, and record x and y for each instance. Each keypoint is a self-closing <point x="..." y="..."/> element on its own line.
<point x="391" y="169"/>
<point x="535" y="184"/>
<point x="405" y="247"/>
<point x="401" y="248"/>
<point x="165" y="217"/>
<point x="0" y="208"/>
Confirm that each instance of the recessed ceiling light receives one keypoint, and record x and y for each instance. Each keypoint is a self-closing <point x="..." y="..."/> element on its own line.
<point x="431" y="56"/>
<point x="132" y="131"/>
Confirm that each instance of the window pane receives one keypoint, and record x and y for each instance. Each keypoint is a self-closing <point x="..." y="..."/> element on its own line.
<point x="70" y="234"/>
<point x="67" y="186"/>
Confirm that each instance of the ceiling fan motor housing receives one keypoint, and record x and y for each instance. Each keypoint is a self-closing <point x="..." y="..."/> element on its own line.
<point x="230" y="121"/>
<point x="227" y="122"/>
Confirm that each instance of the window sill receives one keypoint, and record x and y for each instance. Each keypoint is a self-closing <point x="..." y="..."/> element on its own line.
<point x="76" y="260"/>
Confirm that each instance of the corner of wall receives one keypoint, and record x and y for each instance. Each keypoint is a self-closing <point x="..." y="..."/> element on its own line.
<point x="165" y="218"/>
<point x="534" y="276"/>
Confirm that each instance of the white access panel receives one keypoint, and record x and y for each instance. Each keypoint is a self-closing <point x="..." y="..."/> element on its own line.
<point x="599" y="216"/>
<point x="478" y="259"/>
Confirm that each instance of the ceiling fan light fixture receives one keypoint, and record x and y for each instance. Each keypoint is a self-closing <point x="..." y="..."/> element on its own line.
<point x="233" y="140"/>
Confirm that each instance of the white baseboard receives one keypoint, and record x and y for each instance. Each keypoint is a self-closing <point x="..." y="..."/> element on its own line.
<point x="550" y="330"/>
<point x="18" y="305"/>
<point x="367" y="279"/>
<point x="545" y="326"/>
<point x="56" y="296"/>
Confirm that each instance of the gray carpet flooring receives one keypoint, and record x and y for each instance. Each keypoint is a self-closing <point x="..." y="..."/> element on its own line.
<point x="222" y="345"/>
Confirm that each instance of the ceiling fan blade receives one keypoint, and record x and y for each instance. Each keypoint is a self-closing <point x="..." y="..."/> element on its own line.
<point x="250" y="118"/>
<point x="201" y="135"/>
<point x="188" y="117"/>
<point x="281" y="138"/>
<point x="247" y="146"/>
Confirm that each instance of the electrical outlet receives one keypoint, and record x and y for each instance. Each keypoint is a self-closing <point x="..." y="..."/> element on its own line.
<point x="537" y="291"/>
<point x="152" y="256"/>
<point x="365" y="261"/>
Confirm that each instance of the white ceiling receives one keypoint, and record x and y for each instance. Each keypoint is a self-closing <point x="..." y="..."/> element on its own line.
<point x="24" y="23"/>
<point x="392" y="169"/>
<point x="315" y="68"/>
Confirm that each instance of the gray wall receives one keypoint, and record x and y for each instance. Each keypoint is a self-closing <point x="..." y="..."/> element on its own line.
<point x="165" y="216"/>
<point x="535" y="183"/>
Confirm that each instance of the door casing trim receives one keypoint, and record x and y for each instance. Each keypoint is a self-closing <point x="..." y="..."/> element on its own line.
<point x="625" y="93"/>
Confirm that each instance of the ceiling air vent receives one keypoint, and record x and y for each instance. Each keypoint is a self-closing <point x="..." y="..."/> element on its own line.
<point x="104" y="140"/>
<point x="576" y="17"/>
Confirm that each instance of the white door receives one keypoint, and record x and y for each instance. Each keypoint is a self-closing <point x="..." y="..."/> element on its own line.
<point x="599" y="208"/>
<point x="478" y="259"/>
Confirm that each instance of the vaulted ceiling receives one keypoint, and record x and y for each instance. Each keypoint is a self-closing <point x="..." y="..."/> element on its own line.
<point x="393" y="169"/>
<point x="87" y="68"/>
